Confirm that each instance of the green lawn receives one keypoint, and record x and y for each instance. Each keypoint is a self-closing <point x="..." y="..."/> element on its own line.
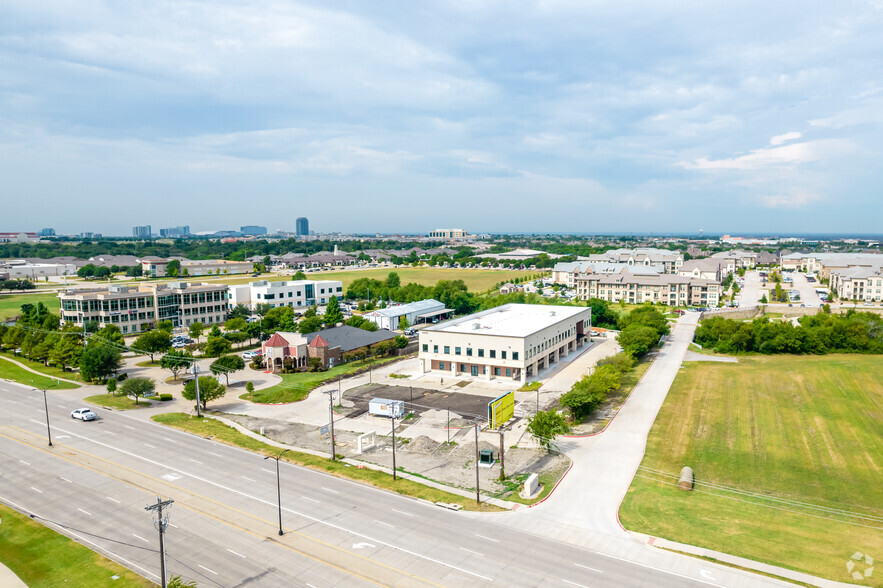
<point x="796" y="441"/>
<point x="10" y="371"/>
<point x="295" y="387"/>
<point x="118" y="402"/>
<point x="10" y="304"/>
<point x="49" y="370"/>
<point x="218" y="431"/>
<point x="41" y="557"/>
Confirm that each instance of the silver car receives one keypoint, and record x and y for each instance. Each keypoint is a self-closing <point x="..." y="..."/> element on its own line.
<point x="84" y="414"/>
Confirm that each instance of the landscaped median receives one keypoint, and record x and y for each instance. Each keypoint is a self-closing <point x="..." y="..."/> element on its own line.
<point x="786" y="452"/>
<point x="218" y="431"/>
<point x="16" y="373"/>
<point x="41" y="557"/>
<point x="116" y="402"/>
<point x="297" y="386"/>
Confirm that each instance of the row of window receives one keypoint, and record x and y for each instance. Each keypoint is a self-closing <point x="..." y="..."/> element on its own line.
<point x="492" y="353"/>
<point x="475" y="369"/>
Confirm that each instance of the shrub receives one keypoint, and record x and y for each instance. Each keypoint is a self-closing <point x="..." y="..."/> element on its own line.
<point x="249" y="387"/>
<point x="165" y="397"/>
<point x="122" y="376"/>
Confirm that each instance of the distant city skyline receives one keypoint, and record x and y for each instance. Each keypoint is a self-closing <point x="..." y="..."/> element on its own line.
<point x="373" y="117"/>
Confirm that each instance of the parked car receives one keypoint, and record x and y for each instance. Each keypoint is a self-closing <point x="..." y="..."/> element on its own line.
<point x="250" y="354"/>
<point x="84" y="414"/>
<point x="410" y="332"/>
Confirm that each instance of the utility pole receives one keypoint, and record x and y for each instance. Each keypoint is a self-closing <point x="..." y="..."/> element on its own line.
<point x="448" y="425"/>
<point x="46" y="406"/>
<point x="393" y="446"/>
<point x="330" y="394"/>
<point x="160" y="522"/>
<point x="278" y="486"/>
<point x="196" y="379"/>
<point x="502" y="457"/>
<point x="538" y="403"/>
<point x="477" y="495"/>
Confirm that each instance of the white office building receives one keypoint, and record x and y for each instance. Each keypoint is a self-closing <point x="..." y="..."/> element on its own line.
<point x="423" y="311"/>
<point x="513" y="342"/>
<point x="297" y="294"/>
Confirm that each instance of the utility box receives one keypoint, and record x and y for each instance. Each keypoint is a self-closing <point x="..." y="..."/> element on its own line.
<point x="388" y="408"/>
<point x="486" y="457"/>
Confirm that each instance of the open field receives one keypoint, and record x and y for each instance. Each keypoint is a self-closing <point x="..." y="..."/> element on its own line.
<point x="10" y="371"/>
<point x="218" y="431"/>
<point x="49" y="370"/>
<point x="297" y="386"/>
<point x="117" y="402"/>
<point x="787" y="456"/>
<point x="41" y="557"/>
<point x="10" y="304"/>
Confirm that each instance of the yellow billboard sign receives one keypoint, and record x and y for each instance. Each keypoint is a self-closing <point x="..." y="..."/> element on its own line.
<point x="500" y="410"/>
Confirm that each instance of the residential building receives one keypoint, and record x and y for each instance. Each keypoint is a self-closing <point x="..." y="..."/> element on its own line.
<point x="511" y="342"/>
<point x="671" y="261"/>
<point x="141" y="231"/>
<point x="329" y="346"/>
<point x="423" y="311"/>
<point x="565" y="273"/>
<point x="824" y="263"/>
<point x="448" y="234"/>
<point x="135" y="309"/>
<point x="296" y="294"/>
<point x="659" y="289"/>
<point x="707" y="268"/>
<point x="19" y="237"/>
<point x="302" y="227"/>
<point x="253" y="230"/>
<point x="737" y="259"/>
<point x="175" y="232"/>
<point x="858" y="283"/>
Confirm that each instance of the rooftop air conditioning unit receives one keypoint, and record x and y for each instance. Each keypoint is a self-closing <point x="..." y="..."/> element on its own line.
<point x="476" y="326"/>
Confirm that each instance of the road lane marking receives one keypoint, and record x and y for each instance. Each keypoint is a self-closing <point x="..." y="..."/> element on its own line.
<point x="216" y="454"/>
<point x="239" y="554"/>
<point x="140" y="537"/>
<point x="24" y="462"/>
<point x="311" y="499"/>
<point x="470" y="551"/>
<point x="173" y="525"/>
<point x="574" y="583"/>
<point x="588" y="568"/>
<point x="194" y="460"/>
<point x="114" y="499"/>
<point x="268" y="471"/>
<point x="317" y="520"/>
<point x="65" y="479"/>
<point x="249" y="479"/>
<point x="169" y="440"/>
<point x="643" y="565"/>
<point x="37" y="489"/>
<point x="83" y="511"/>
<point x="407" y="514"/>
<point x="151" y="446"/>
<point x="330" y="490"/>
<point x="208" y="570"/>
<point x="60" y="406"/>
<point x="382" y="523"/>
<point x="128" y="427"/>
<point x="487" y="538"/>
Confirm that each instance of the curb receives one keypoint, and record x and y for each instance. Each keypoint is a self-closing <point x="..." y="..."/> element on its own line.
<point x="555" y="487"/>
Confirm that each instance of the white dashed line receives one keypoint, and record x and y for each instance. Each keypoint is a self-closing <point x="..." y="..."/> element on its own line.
<point x="268" y="471"/>
<point x="311" y="499"/>
<point x="114" y="499"/>
<point x="59" y="406"/>
<point x="194" y="460"/>
<point x="151" y="446"/>
<point x="208" y="570"/>
<point x="128" y="427"/>
<point x="84" y="512"/>
<point x="24" y="462"/>
<point x="173" y="525"/>
<point x="65" y="479"/>
<point x="573" y="583"/>
<point x="169" y="440"/>
<point x="487" y="538"/>
<point x="239" y="554"/>
<point x="382" y="523"/>
<point x="140" y="537"/>
<point x="37" y="489"/>
<point x="407" y="514"/>
<point x="588" y="568"/>
<point x="216" y="454"/>
<point x="330" y="490"/>
<point x="474" y="552"/>
<point x="249" y="479"/>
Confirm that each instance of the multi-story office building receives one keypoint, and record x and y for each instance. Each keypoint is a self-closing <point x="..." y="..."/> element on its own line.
<point x="659" y="289"/>
<point x="135" y="309"/>
<point x="175" y="232"/>
<point x="141" y="231"/>
<point x="214" y="267"/>
<point x="447" y="234"/>
<point x="253" y="230"/>
<point x="302" y="227"/>
<point x="297" y="294"/>
<point x="47" y="232"/>
<point x="513" y="341"/>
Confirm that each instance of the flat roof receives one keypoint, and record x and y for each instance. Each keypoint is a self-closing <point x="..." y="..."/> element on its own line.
<point x="510" y="320"/>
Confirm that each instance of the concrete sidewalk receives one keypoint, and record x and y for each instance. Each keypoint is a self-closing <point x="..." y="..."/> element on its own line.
<point x="9" y="579"/>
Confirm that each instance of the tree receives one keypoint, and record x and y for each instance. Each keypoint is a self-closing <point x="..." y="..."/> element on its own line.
<point x="217" y="346"/>
<point x="153" y="342"/>
<point x="636" y="340"/>
<point x="66" y="351"/>
<point x="311" y="312"/>
<point x="112" y="386"/>
<point x="262" y="308"/>
<point x="175" y="361"/>
<point x="177" y="582"/>
<point x="393" y="280"/>
<point x="239" y="311"/>
<point x="403" y="323"/>
<point x="209" y="389"/>
<point x="249" y="387"/>
<point x="99" y="361"/>
<point x="110" y="335"/>
<point x="226" y="364"/>
<point x="252" y="330"/>
<point x="545" y="426"/>
<point x="196" y="330"/>
<point x="299" y="275"/>
<point x="602" y="315"/>
<point x="214" y="332"/>
<point x="590" y="392"/>
<point x="235" y="324"/>
<point x="173" y="268"/>
<point x="166" y="326"/>
<point x="309" y="325"/>
<point x="333" y="315"/>
<point x="136" y="387"/>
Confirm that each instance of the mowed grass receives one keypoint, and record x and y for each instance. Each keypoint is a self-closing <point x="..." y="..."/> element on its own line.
<point x="217" y="431"/>
<point x="477" y="280"/>
<point x="117" y="402"/>
<point x="41" y="557"/>
<point x="10" y="304"/>
<point x="806" y="430"/>
<point x="49" y="370"/>
<point x="296" y="387"/>
<point x="11" y="371"/>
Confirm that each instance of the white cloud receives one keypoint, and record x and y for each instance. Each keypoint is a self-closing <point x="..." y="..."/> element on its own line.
<point x="790" y="200"/>
<point x="793" y="154"/>
<point x="780" y="139"/>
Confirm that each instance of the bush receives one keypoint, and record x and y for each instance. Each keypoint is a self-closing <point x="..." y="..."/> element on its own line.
<point x="122" y="376"/>
<point x="165" y="397"/>
<point x="249" y="387"/>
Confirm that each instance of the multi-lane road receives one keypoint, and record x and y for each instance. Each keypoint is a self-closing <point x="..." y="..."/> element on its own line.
<point x="94" y="483"/>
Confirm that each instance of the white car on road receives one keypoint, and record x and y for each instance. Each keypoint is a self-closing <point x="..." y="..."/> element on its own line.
<point x="84" y="414"/>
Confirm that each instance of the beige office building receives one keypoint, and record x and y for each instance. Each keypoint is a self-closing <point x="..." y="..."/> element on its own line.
<point x="511" y="342"/>
<point x="135" y="309"/>
<point x="448" y="234"/>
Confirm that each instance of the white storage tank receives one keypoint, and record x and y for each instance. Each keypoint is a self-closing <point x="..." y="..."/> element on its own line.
<point x="387" y="408"/>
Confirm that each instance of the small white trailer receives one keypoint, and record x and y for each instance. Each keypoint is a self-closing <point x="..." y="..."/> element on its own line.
<point x="386" y="407"/>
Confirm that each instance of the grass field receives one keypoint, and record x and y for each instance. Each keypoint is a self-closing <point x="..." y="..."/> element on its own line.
<point x="787" y="453"/>
<point x="49" y="370"/>
<point x="220" y="432"/>
<point x="10" y="304"/>
<point x="118" y="402"/>
<point x="10" y="371"/>
<point x="295" y="387"/>
<point x="41" y="557"/>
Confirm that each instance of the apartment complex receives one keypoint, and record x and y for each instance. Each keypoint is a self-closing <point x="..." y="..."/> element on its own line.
<point x="447" y="234"/>
<point x="858" y="283"/>
<point x="513" y="341"/>
<point x="565" y="273"/>
<point x="825" y="263"/>
<point x="139" y="308"/>
<point x="296" y="294"/>
<point x="659" y="289"/>
<point x="736" y="259"/>
<point x="670" y="261"/>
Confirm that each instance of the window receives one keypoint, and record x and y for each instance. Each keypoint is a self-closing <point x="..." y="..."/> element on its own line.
<point x="441" y="365"/>
<point x="474" y="370"/>
<point x="502" y="355"/>
<point x="508" y="372"/>
<point x="481" y="353"/>
<point x="515" y="355"/>
<point x="447" y="349"/>
<point x="493" y="353"/>
<point x="435" y="348"/>
<point x="462" y="367"/>
<point x="425" y="347"/>
<point x="469" y="352"/>
<point x="496" y="371"/>
<point x="456" y="351"/>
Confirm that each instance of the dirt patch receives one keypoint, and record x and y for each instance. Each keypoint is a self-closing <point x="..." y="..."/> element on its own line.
<point x="417" y="400"/>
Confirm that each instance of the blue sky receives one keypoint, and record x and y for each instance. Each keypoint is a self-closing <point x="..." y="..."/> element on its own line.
<point x="557" y="116"/>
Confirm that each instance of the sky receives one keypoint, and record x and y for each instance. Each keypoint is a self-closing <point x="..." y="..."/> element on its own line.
<point x="396" y="116"/>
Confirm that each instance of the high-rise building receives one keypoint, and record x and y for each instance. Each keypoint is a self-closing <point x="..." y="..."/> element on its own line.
<point x="47" y="232"/>
<point x="253" y="230"/>
<point x="182" y="231"/>
<point x="302" y="227"/>
<point x="142" y="231"/>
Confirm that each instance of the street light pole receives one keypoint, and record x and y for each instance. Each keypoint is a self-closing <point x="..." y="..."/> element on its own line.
<point x="278" y="487"/>
<point x="330" y="394"/>
<point x="393" y="446"/>
<point x="46" y="406"/>
<point x="196" y="380"/>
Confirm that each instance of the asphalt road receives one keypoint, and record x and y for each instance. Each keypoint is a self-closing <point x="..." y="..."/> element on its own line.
<point x="94" y="483"/>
